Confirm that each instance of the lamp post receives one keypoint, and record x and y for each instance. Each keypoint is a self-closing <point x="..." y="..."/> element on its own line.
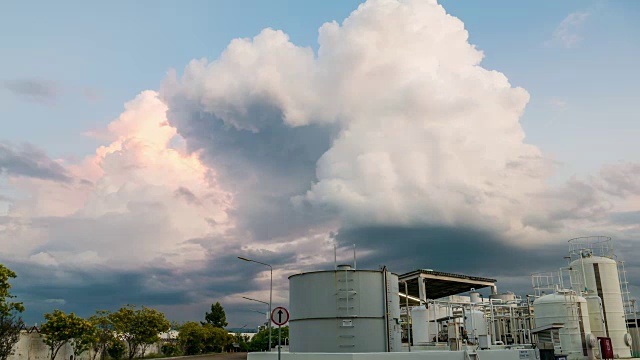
<point x="270" y="292"/>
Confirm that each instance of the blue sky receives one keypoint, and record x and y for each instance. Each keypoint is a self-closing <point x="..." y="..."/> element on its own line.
<point x="114" y="50"/>
<point x="67" y="69"/>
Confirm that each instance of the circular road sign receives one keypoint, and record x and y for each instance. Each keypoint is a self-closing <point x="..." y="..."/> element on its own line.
<point x="280" y="316"/>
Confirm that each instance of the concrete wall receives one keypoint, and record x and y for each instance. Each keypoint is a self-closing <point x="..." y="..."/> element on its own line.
<point x="417" y="355"/>
<point x="31" y="347"/>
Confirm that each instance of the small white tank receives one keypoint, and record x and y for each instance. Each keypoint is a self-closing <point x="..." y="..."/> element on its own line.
<point x="423" y="326"/>
<point x="475" y="324"/>
<point x="505" y="298"/>
<point x="596" y="315"/>
<point x="474" y="297"/>
<point x="600" y="275"/>
<point x="568" y="309"/>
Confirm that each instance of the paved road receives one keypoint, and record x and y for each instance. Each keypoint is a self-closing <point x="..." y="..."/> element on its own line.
<point x="229" y="356"/>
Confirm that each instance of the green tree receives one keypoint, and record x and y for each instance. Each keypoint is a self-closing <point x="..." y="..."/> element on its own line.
<point x="85" y="340"/>
<point x="10" y="321"/>
<point x="216" y="317"/>
<point x="60" y="329"/>
<point x="104" y="333"/>
<point x="170" y="349"/>
<point x="116" y="349"/>
<point x="191" y="338"/>
<point x="217" y="339"/>
<point x="139" y="328"/>
<point x="260" y="341"/>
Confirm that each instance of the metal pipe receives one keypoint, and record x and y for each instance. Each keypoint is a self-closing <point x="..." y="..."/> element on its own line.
<point x="354" y="256"/>
<point x="386" y="309"/>
<point x="409" y="323"/>
<point x="270" y="291"/>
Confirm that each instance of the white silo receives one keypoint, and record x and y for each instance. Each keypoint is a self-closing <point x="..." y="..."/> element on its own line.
<point x="424" y="328"/>
<point x="569" y="309"/>
<point x="344" y="311"/>
<point x="599" y="275"/>
<point x="476" y="324"/>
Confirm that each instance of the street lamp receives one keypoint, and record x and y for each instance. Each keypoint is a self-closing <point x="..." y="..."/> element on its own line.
<point x="270" y="292"/>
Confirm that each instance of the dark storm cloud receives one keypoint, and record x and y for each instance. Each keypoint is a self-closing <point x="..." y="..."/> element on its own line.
<point x="84" y="291"/>
<point x="265" y="164"/>
<point x="40" y="91"/>
<point x="470" y="252"/>
<point x="31" y="162"/>
<point x="450" y="249"/>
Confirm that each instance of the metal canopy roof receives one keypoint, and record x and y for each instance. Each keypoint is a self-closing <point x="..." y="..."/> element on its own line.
<point x="440" y="284"/>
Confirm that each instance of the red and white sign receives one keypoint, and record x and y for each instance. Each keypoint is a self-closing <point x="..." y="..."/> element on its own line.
<point x="280" y="316"/>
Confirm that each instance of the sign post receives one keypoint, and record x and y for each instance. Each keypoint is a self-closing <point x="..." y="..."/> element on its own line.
<point x="279" y="316"/>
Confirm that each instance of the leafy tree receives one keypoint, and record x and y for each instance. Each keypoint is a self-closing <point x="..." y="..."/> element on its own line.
<point x="192" y="338"/>
<point x="60" y="329"/>
<point x="197" y="339"/>
<point x="139" y="328"/>
<point x="9" y="334"/>
<point x="170" y="349"/>
<point x="104" y="333"/>
<point x="10" y="322"/>
<point x="116" y="349"/>
<point x="216" y="339"/>
<point x="260" y="341"/>
<point x="85" y="340"/>
<point x="216" y="317"/>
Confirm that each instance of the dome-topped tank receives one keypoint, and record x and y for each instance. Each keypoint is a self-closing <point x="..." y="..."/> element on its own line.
<point x="599" y="276"/>
<point x="344" y="310"/>
<point x="568" y="309"/>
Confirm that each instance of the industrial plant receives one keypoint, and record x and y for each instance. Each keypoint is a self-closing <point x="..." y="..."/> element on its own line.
<point x="581" y="311"/>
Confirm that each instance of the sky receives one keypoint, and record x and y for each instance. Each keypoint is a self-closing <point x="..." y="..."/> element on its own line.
<point x="145" y="145"/>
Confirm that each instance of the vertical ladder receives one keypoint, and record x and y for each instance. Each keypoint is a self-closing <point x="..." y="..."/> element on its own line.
<point x="345" y="306"/>
<point x="624" y="291"/>
<point x="390" y="323"/>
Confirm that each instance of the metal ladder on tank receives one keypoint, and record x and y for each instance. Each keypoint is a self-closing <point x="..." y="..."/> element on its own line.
<point x="624" y="291"/>
<point x="345" y="301"/>
<point x="572" y="308"/>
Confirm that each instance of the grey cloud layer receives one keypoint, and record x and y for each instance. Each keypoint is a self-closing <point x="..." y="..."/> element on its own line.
<point x="39" y="91"/>
<point x="31" y="162"/>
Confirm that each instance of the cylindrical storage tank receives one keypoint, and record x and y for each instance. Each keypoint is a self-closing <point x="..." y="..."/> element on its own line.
<point x="474" y="297"/>
<point x="505" y="298"/>
<point x="344" y="311"/>
<point x="423" y="323"/>
<point x="475" y="323"/>
<point x="600" y="275"/>
<point x="596" y="315"/>
<point x="570" y="310"/>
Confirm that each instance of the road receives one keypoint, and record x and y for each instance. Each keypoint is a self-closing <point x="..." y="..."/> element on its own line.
<point x="227" y="356"/>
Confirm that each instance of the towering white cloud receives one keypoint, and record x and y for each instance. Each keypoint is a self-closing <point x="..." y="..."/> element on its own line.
<point x="136" y="200"/>
<point x="421" y="133"/>
<point x="392" y="130"/>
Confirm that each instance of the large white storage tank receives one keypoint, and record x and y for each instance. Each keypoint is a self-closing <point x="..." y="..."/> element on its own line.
<point x="571" y="310"/>
<point x="344" y="311"/>
<point x="599" y="275"/>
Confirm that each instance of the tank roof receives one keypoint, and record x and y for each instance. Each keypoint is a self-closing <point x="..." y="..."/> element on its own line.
<point x="337" y="270"/>
<point x="441" y="284"/>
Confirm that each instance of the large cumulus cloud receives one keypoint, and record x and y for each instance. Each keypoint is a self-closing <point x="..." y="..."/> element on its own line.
<point x="392" y="136"/>
<point x="396" y="126"/>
